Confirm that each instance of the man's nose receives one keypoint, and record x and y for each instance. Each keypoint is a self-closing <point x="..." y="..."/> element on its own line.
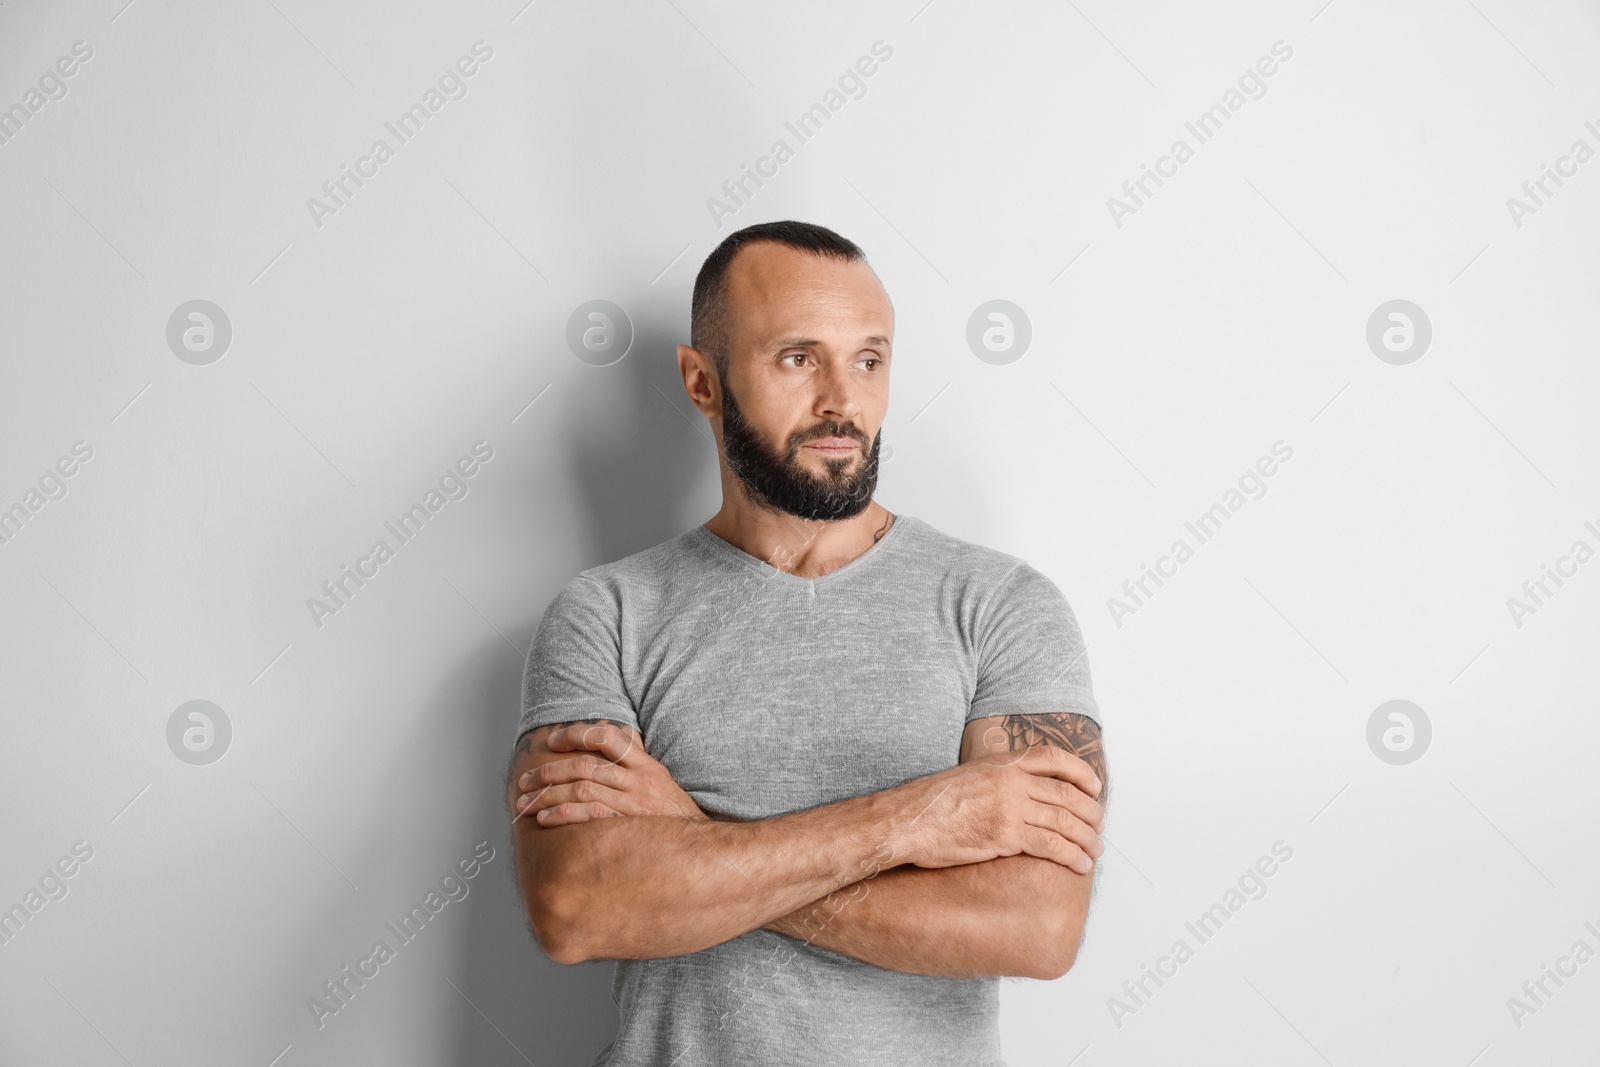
<point x="836" y="394"/>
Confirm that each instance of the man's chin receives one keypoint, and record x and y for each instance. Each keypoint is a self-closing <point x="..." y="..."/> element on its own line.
<point x="833" y="504"/>
<point x="825" y="476"/>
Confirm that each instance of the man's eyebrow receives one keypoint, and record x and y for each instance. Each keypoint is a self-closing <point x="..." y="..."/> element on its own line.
<point x="808" y="342"/>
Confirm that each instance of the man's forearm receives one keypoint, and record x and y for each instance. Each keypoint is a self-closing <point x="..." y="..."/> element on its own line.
<point x="975" y="920"/>
<point x="1015" y="915"/>
<point x="655" y="885"/>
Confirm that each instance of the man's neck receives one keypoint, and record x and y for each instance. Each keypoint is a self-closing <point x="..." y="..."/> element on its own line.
<point x="805" y="548"/>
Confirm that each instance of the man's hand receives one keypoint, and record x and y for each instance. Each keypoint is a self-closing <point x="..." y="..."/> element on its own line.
<point x="610" y="774"/>
<point x="1038" y="802"/>
<point x="1012" y="915"/>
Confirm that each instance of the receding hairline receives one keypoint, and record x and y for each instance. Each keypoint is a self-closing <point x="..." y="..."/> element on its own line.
<point x="725" y="304"/>
<point x="821" y="255"/>
<point x="710" y="316"/>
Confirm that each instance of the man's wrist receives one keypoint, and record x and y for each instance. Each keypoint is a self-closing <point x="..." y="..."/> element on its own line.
<point x="888" y="840"/>
<point x="899" y="810"/>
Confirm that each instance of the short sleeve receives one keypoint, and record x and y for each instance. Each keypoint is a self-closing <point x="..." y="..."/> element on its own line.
<point x="574" y="666"/>
<point x="1031" y="654"/>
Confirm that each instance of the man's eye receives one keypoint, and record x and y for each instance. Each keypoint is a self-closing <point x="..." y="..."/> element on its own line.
<point x="795" y="355"/>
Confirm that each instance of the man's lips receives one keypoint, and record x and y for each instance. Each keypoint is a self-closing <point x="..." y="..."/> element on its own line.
<point x="833" y="445"/>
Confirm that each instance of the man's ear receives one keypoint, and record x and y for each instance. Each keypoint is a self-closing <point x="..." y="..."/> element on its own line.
<point x="700" y="380"/>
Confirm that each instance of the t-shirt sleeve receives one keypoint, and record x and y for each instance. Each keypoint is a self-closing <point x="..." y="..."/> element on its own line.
<point x="574" y="666"/>
<point x="1031" y="654"/>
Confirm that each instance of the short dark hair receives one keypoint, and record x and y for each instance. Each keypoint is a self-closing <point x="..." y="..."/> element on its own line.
<point x="708" y="313"/>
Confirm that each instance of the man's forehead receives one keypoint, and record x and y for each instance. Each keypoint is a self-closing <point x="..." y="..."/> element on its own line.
<point x="787" y="296"/>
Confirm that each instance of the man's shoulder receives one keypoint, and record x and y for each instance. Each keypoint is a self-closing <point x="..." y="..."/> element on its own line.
<point x="955" y="556"/>
<point x="644" y="568"/>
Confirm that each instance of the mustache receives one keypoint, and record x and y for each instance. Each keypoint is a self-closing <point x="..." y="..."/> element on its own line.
<point x="832" y="429"/>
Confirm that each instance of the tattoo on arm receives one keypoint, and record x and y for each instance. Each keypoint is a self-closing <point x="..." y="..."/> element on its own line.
<point x="1078" y="734"/>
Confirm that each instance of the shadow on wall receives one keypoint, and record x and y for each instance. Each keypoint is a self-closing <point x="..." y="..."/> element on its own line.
<point x="640" y="474"/>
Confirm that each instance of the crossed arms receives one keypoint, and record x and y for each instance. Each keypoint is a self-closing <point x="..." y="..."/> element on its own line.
<point x="983" y="869"/>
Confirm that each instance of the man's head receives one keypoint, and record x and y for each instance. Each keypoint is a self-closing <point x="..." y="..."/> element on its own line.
<point x="791" y="318"/>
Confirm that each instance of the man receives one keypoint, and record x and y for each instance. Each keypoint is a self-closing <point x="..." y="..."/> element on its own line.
<point x="816" y="775"/>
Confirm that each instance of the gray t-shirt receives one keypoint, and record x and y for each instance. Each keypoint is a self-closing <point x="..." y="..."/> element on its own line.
<point x="764" y="693"/>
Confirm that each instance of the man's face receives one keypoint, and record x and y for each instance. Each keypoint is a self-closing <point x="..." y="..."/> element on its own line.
<point x="809" y="343"/>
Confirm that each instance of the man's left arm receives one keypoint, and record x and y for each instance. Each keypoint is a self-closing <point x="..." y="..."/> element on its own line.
<point x="1017" y="915"/>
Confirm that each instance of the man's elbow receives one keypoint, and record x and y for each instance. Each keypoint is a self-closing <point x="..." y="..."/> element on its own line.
<point x="1057" y="965"/>
<point x="555" y="926"/>
<point x="553" y="913"/>
<point x="1050" y="927"/>
<point x="1058" y="952"/>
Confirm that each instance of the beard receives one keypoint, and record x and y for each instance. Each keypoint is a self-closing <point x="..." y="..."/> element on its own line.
<point x="779" y="481"/>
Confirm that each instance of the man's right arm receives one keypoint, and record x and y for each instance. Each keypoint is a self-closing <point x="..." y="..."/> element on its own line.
<point x="660" y="885"/>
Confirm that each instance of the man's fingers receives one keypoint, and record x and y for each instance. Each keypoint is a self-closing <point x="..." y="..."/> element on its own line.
<point x="579" y="792"/>
<point x="570" y="813"/>
<point x="571" y="769"/>
<point x="1048" y="761"/>
<point x="1061" y="822"/>
<point x="615" y="743"/>
<point x="1049" y="845"/>
<point x="1075" y="800"/>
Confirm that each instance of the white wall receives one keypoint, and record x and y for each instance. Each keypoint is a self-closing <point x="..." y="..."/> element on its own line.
<point x="374" y="346"/>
